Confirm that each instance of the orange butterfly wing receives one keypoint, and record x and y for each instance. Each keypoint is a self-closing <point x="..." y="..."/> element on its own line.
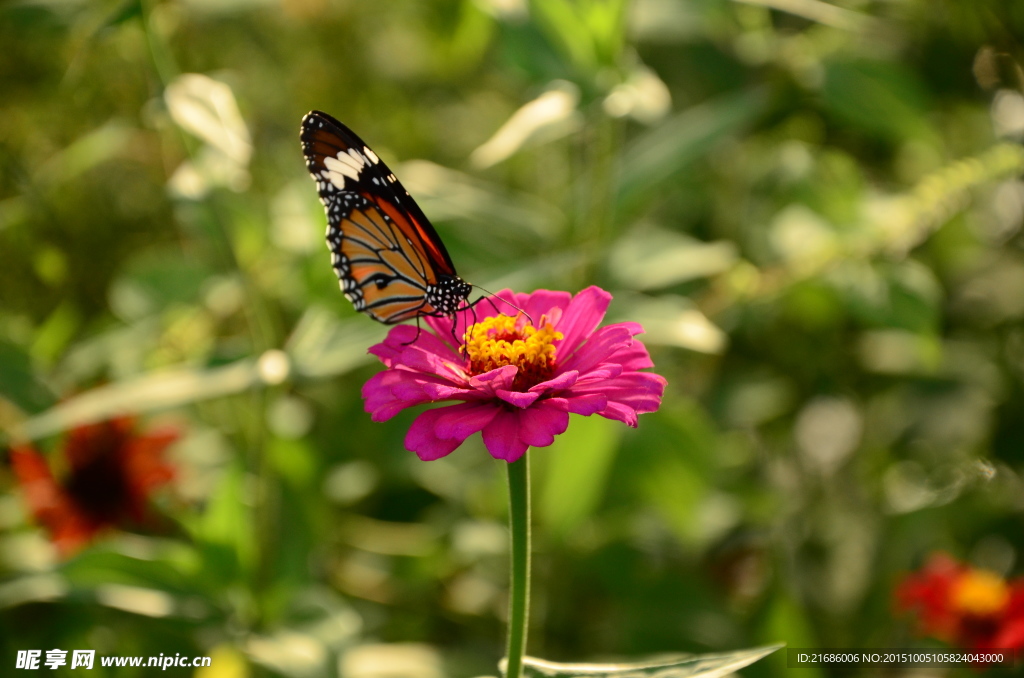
<point x="390" y="261"/>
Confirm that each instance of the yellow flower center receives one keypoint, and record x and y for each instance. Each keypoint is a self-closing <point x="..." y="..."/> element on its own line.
<point x="980" y="593"/>
<point x="506" y="340"/>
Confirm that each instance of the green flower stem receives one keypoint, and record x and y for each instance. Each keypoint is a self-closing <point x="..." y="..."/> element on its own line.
<point x="519" y="587"/>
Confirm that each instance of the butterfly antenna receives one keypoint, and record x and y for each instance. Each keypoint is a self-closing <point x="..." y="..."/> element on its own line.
<point x="491" y="295"/>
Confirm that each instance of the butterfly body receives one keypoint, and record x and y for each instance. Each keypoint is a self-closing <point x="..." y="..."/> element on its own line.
<point x="389" y="260"/>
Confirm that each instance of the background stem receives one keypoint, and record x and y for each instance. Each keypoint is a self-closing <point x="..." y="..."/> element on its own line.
<point x="519" y="587"/>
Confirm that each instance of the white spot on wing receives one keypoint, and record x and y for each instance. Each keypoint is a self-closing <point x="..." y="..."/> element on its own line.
<point x="338" y="171"/>
<point x="358" y="157"/>
<point x="371" y="155"/>
<point x="348" y="160"/>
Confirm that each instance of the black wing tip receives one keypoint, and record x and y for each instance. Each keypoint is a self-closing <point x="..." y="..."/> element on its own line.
<point x="315" y="116"/>
<point x="315" y="120"/>
<point x="318" y="119"/>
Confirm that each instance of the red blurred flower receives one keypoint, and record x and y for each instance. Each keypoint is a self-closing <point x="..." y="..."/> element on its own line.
<point x="964" y="606"/>
<point x="111" y="471"/>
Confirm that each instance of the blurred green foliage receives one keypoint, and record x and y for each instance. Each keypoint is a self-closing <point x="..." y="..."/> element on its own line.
<point x="814" y="207"/>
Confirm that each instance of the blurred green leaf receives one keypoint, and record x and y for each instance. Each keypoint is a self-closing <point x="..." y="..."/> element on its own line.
<point x="225" y="530"/>
<point x="512" y="219"/>
<point x="19" y="383"/>
<point x="294" y="460"/>
<point x="32" y="588"/>
<point x="576" y="473"/>
<point x="822" y="12"/>
<point x="322" y="346"/>
<point x="155" y="279"/>
<point x="667" y="149"/>
<point x="696" y="513"/>
<point x="148" y="393"/>
<point x="648" y="259"/>
<point x="881" y="98"/>
<point x="167" y="567"/>
<point x="786" y="618"/>
<point x="674" y="321"/>
<point x="55" y="333"/>
<point x="127" y="10"/>
<point x="88" y="151"/>
<point x="714" y="665"/>
<point x="564" y="25"/>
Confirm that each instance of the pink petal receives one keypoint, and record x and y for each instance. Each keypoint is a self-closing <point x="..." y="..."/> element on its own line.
<point x="400" y="338"/>
<point x="539" y="425"/>
<point x="602" y="372"/>
<point x="620" y="412"/>
<point x="501" y="436"/>
<point x="391" y="348"/>
<point x="418" y="359"/>
<point x="628" y="395"/>
<point x="633" y="358"/>
<point x="582" y="315"/>
<point x="437" y="432"/>
<point x="500" y="378"/>
<point x="389" y="392"/>
<point x="511" y="432"/>
<point x="517" y="398"/>
<point x="535" y="304"/>
<point x="562" y="381"/>
<point x="433" y="343"/>
<point x="431" y="391"/>
<point x="545" y="302"/>
<point x="442" y="329"/>
<point x="599" y="347"/>
<point x="499" y="303"/>
<point x="583" y="403"/>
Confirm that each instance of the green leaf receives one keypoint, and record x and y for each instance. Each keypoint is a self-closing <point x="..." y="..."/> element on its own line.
<point x="321" y="346"/>
<point x="55" y="333"/>
<point x="578" y="465"/>
<point x="126" y="11"/>
<point x="159" y="564"/>
<point x="671" y="320"/>
<point x="655" y="258"/>
<point x="681" y="666"/>
<point x="683" y="139"/>
<point x="564" y="26"/>
<point x="147" y="393"/>
<point x="786" y="619"/>
<point x="880" y="98"/>
<point x="225" y="530"/>
<point x="156" y="279"/>
<point x="88" y="151"/>
<point x="18" y="382"/>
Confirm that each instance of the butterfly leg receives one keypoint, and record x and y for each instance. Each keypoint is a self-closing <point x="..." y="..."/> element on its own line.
<point x="472" y="310"/>
<point x="419" y="329"/>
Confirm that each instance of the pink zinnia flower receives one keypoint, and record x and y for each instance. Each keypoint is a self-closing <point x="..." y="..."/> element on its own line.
<point x="515" y="381"/>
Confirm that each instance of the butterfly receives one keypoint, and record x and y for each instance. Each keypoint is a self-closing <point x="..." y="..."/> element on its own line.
<point x="390" y="261"/>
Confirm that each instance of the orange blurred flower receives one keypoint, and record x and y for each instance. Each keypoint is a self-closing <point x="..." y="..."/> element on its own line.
<point x="964" y="606"/>
<point x="111" y="471"/>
